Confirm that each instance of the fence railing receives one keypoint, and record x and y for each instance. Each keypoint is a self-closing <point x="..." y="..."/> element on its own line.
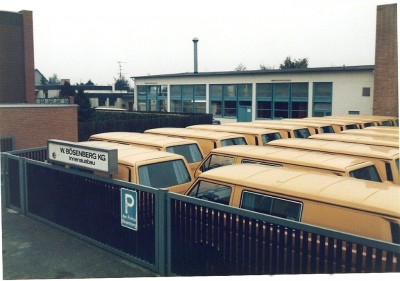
<point x="184" y="236"/>
<point x="215" y="239"/>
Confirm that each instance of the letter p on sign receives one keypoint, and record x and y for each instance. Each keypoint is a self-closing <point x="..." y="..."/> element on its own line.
<point x="129" y="208"/>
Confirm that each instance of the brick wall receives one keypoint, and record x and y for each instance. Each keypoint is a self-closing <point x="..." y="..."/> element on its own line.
<point x="386" y="101"/>
<point x="29" y="61"/>
<point x="33" y="125"/>
<point x="12" y="64"/>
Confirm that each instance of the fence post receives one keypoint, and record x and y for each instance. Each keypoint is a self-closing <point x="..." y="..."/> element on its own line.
<point x="161" y="236"/>
<point x="22" y="185"/>
<point x="4" y="180"/>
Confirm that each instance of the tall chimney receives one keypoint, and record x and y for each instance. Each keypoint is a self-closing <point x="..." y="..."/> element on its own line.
<point x="195" y="40"/>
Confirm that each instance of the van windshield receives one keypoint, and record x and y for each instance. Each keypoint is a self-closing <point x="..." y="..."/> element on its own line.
<point x="327" y="129"/>
<point x="211" y="192"/>
<point x="164" y="174"/>
<point x="270" y="137"/>
<point x="233" y="141"/>
<point x="301" y="133"/>
<point x="352" y="126"/>
<point x="367" y="173"/>
<point x="190" y="151"/>
<point x="215" y="161"/>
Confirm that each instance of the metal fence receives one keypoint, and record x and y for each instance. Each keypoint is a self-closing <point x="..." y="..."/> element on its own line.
<point x="184" y="236"/>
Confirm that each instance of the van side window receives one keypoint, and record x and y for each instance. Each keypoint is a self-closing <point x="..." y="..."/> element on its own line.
<point x="395" y="229"/>
<point x="270" y="205"/>
<point x="215" y="161"/>
<point x="248" y="161"/>
<point x="389" y="174"/>
<point x="369" y="173"/>
<point x="211" y="191"/>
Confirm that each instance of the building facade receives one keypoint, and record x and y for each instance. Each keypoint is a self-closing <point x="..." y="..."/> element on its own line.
<point x="260" y="94"/>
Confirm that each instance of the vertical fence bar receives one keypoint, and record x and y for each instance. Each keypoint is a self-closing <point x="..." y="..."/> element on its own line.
<point x="22" y="185"/>
<point x="161" y="240"/>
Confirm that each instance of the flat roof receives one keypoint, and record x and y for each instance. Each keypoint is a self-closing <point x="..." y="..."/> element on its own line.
<point x="262" y="72"/>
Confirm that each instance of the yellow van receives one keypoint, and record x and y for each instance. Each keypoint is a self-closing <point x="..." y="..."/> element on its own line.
<point x="374" y="140"/>
<point x="286" y="131"/>
<point x="364" y="132"/>
<point x="337" y="124"/>
<point x="362" y="208"/>
<point x="148" y="167"/>
<point x="187" y="148"/>
<point x="314" y="127"/>
<point x="207" y="140"/>
<point x="254" y="136"/>
<point x="386" y="159"/>
<point x="282" y="122"/>
<point x="361" y="123"/>
<point x="384" y="129"/>
<point x="382" y="120"/>
<point x="347" y="166"/>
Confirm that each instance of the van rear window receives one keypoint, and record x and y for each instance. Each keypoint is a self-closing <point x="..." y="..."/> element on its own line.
<point x="233" y="141"/>
<point x="270" y="205"/>
<point x="369" y="173"/>
<point x="190" y="151"/>
<point x="301" y="133"/>
<point x="270" y="137"/>
<point x="164" y="174"/>
<point x="211" y="191"/>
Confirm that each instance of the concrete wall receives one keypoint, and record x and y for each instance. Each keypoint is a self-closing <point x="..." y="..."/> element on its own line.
<point x="33" y="125"/>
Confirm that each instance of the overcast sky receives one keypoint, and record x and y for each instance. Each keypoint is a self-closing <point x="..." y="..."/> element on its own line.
<point x="83" y="40"/>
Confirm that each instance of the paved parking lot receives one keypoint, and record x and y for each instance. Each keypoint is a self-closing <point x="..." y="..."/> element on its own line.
<point x="34" y="250"/>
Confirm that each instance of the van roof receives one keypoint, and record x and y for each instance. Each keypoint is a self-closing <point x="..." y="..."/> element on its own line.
<point x="343" y="191"/>
<point x="306" y="123"/>
<point x="294" y="156"/>
<point x="233" y="129"/>
<point x="182" y="132"/>
<point x="373" y="140"/>
<point x="140" y="138"/>
<point x="340" y="147"/>
<point x="369" y="133"/>
<point x="330" y="121"/>
<point x="130" y="155"/>
<point x="274" y="126"/>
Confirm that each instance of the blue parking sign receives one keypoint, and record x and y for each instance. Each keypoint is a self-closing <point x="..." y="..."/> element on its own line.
<point x="129" y="209"/>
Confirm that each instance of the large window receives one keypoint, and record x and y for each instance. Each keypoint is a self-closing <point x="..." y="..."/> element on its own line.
<point x="322" y="99"/>
<point x="271" y="205"/>
<point x="188" y="98"/>
<point x="281" y="100"/>
<point x="152" y="98"/>
<point x="226" y="99"/>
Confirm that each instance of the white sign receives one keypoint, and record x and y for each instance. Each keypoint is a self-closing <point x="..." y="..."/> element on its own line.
<point x="84" y="156"/>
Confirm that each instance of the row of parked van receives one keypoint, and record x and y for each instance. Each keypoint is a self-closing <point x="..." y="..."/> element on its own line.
<point x="303" y="176"/>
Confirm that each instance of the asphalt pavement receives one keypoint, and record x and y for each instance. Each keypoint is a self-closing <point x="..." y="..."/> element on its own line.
<point x="34" y="250"/>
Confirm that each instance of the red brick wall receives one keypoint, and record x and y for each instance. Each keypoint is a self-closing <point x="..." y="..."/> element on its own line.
<point x="29" y="56"/>
<point x="386" y="100"/>
<point x="12" y="64"/>
<point x="33" y="125"/>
